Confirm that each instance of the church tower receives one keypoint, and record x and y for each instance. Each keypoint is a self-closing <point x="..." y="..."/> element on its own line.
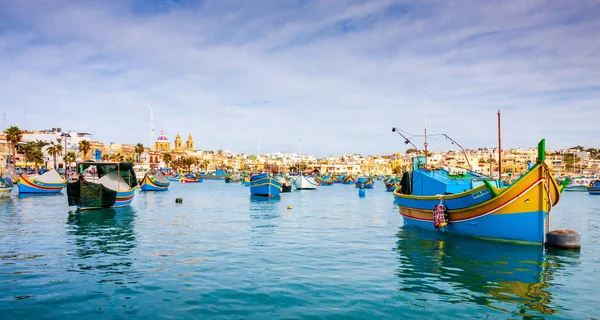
<point x="189" y="143"/>
<point x="178" y="143"/>
<point x="162" y="143"/>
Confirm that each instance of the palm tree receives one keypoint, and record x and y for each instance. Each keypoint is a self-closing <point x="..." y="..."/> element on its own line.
<point x="167" y="159"/>
<point x="84" y="148"/>
<point x="68" y="159"/>
<point x="37" y="157"/>
<point x="14" y="135"/>
<point x="54" y="149"/>
<point x="139" y="149"/>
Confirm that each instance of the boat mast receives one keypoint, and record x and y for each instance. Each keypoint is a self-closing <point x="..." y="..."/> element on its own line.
<point x="151" y="126"/>
<point x="499" y="150"/>
<point x="5" y="147"/>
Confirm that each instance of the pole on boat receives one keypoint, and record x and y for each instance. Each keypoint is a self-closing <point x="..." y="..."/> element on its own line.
<point x="499" y="150"/>
<point x="425" y="143"/>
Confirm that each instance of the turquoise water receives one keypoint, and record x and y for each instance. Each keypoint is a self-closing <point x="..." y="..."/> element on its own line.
<point x="333" y="255"/>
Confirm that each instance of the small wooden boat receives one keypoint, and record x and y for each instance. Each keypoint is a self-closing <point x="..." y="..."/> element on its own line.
<point x="305" y="183"/>
<point x="102" y="185"/>
<point x="578" y="184"/>
<point x="49" y="182"/>
<point x="264" y="185"/>
<point x="392" y="184"/>
<point x="364" y="182"/>
<point x="173" y="178"/>
<point x="324" y="180"/>
<point x="154" y="182"/>
<point x="190" y="178"/>
<point x="594" y="187"/>
<point x="215" y="175"/>
<point x="349" y="180"/>
<point x="468" y="203"/>
<point x="6" y="187"/>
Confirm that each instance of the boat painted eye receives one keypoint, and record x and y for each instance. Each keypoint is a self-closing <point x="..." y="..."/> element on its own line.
<point x="526" y="200"/>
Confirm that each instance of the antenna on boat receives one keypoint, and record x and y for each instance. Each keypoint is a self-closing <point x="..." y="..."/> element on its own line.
<point x="406" y="140"/>
<point x="425" y="126"/>
<point x="5" y="146"/>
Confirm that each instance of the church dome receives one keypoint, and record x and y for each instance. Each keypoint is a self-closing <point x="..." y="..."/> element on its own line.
<point x="162" y="137"/>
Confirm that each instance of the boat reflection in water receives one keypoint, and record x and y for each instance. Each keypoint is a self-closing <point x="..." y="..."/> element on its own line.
<point x="102" y="239"/>
<point x="504" y="276"/>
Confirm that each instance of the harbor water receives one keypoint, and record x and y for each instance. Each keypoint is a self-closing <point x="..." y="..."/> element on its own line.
<point x="332" y="254"/>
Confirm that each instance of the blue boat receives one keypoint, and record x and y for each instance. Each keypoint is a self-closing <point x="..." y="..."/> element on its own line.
<point x="594" y="187"/>
<point x="392" y="184"/>
<point x="264" y="185"/>
<point x="49" y="182"/>
<point x="173" y="178"/>
<point x="460" y="201"/>
<point x="364" y="182"/>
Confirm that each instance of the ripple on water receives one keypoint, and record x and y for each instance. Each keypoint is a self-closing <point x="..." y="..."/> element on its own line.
<point x="224" y="253"/>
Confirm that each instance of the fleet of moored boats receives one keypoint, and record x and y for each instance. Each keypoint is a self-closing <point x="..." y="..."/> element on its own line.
<point x="450" y="199"/>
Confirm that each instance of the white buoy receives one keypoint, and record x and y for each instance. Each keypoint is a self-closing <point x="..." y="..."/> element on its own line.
<point x="564" y="239"/>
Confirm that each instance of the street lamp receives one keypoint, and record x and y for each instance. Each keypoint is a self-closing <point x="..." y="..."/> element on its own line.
<point x="65" y="136"/>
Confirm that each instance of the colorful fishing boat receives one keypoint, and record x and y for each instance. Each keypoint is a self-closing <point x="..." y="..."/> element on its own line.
<point x="102" y="185"/>
<point x="468" y="203"/>
<point x="6" y="187"/>
<point x="264" y="185"/>
<point x="190" y="178"/>
<point x="246" y="181"/>
<point x="173" y="177"/>
<point x="49" y="182"/>
<point x="324" y="180"/>
<point x="364" y="182"/>
<point x="594" y="187"/>
<point x="154" y="182"/>
<point x="392" y="183"/>
<point x="349" y="180"/>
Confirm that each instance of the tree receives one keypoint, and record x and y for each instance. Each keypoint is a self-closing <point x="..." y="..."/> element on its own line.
<point x="54" y="149"/>
<point x="578" y="148"/>
<point x="167" y="159"/>
<point x="84" y="148"/>
<point x="14" y="135"/>
<point x="68" y="159"/>
<point x="37" y="157"/>
<point x="411" y="150"/>
<point x="139" y="149"/>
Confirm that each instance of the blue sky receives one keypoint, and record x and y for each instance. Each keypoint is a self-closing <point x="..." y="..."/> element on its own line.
<point x="338" y="75"/>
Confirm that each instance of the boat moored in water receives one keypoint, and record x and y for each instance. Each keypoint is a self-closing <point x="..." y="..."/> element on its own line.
<point x="49" y="182"/>
<point x="305" y="183"/>
<point x="102" y="185"/>
<point x="468" y="203"/>
<point x="264" y="185"/>
<point x="154" y="182"/>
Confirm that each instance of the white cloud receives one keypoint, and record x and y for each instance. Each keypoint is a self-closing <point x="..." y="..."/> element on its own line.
<point x="232" y="73"/>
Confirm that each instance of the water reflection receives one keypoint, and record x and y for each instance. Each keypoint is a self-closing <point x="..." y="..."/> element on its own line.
<point x="102" y="240"/>
<point x="264" y="214"/>
<point x="504" y="276"/>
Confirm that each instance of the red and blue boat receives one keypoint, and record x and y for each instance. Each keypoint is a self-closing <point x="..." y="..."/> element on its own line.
<point x="49" y="182"/>
<point x="154" y="182"/>
<point x="102" y="185"/>
<point x="364" y="182"/>
<point x="468" y="203"/>
<point x="264" y="185"/>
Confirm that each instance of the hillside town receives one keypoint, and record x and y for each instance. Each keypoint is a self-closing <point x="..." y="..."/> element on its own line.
<point x="55" y="148"/>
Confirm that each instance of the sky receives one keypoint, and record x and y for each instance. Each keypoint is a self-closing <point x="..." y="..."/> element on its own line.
<point x="313" y="76"/>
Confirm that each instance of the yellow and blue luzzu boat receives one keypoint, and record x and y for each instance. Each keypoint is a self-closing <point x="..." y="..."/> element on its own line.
<point x="49" y="182"/>
<point x="154" y="182"/>
<point x="470" y="204"/>
<point x="264" y="185"/>
<point x="102" y="185"/>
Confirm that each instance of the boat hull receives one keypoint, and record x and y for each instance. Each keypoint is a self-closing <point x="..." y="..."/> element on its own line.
<point x="594" y="190"/>
<point x="5" y="192"/>
<point x="27" y="185"/>
<point x="150" y="184"/>
<point x="266" y="187"/>
<point x="518" y="212"/>
<point x="124" y="199"/>
<point x="304" y="183"/>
